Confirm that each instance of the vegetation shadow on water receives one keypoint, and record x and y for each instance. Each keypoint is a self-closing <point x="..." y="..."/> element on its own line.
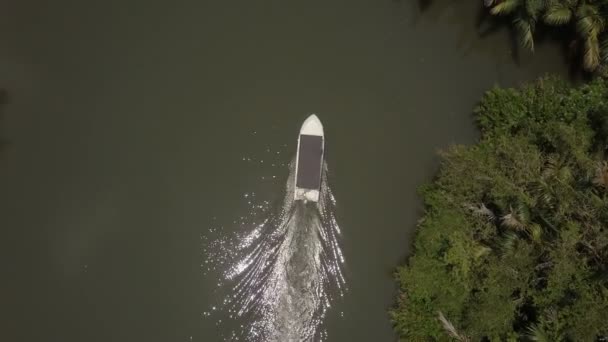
<point x="480" y="31"/>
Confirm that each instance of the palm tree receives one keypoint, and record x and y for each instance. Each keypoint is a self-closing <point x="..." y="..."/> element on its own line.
<point x="525" y="14"/>
<point x="549" y="328"/>
<point x="536" y="333"/>
<point x="588" y="18"/>
<point x="589" y="25"/>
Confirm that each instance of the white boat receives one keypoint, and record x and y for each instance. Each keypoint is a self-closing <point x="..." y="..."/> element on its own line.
<point x="309" y="160"/>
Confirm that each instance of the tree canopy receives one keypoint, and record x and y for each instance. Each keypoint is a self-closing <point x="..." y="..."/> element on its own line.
<point x="513" y="245"/>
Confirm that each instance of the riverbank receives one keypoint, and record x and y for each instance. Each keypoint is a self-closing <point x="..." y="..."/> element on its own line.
<point x="513" y="242"/>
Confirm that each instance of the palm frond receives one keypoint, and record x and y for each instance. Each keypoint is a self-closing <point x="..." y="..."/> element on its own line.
<point x="523" y="211"/>
<point x="543" y="194"/>
<point x="558" y="15"/>
<point x="525" y="32"/>
<point x="604" y="49"/>
<point x="551" y="166"/>
<point x="505" y="7"/>
<point x="584" y="25"/>
<point x="510" y="221"/>
<point x="482" y="211"/>
<point x="450" y="329"/>
<point x="508" y="243"/>
<point x="536" y="333"/>
<point x="589" y="21"/>
<point x="591" y="58"/>
<point x="517" y="218"/>
<point x="556" y="168"/>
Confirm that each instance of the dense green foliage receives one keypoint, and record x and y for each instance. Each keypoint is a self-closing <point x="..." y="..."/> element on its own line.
<point x="586" y="17"/>
<point x="513" y="245"/>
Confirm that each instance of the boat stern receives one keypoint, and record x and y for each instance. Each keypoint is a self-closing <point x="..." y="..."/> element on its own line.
<point x="307" y="195"/>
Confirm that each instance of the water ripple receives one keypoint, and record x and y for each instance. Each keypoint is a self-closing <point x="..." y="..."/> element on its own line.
<point x="281" y="274"/>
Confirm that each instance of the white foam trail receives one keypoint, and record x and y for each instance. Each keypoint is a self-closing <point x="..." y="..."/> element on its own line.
<point x="285" y="271"/>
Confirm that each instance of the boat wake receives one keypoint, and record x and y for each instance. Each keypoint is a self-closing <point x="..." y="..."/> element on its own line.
<point x="283" y="273"/>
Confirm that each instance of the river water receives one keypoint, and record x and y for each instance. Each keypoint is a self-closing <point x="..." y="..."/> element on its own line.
<point x="144" y="136"/>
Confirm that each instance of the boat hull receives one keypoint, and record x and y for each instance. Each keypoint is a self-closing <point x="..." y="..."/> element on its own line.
<point x="309" y="160"/>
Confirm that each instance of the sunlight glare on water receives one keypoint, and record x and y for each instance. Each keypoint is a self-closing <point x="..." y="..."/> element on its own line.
<point x="281" y="272"/>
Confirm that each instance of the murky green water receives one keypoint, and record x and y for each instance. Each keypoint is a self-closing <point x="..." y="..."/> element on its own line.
<point x="128" y="123"/>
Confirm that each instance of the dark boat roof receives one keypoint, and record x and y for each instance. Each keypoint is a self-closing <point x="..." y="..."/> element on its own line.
<point x="310" y="162"/>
